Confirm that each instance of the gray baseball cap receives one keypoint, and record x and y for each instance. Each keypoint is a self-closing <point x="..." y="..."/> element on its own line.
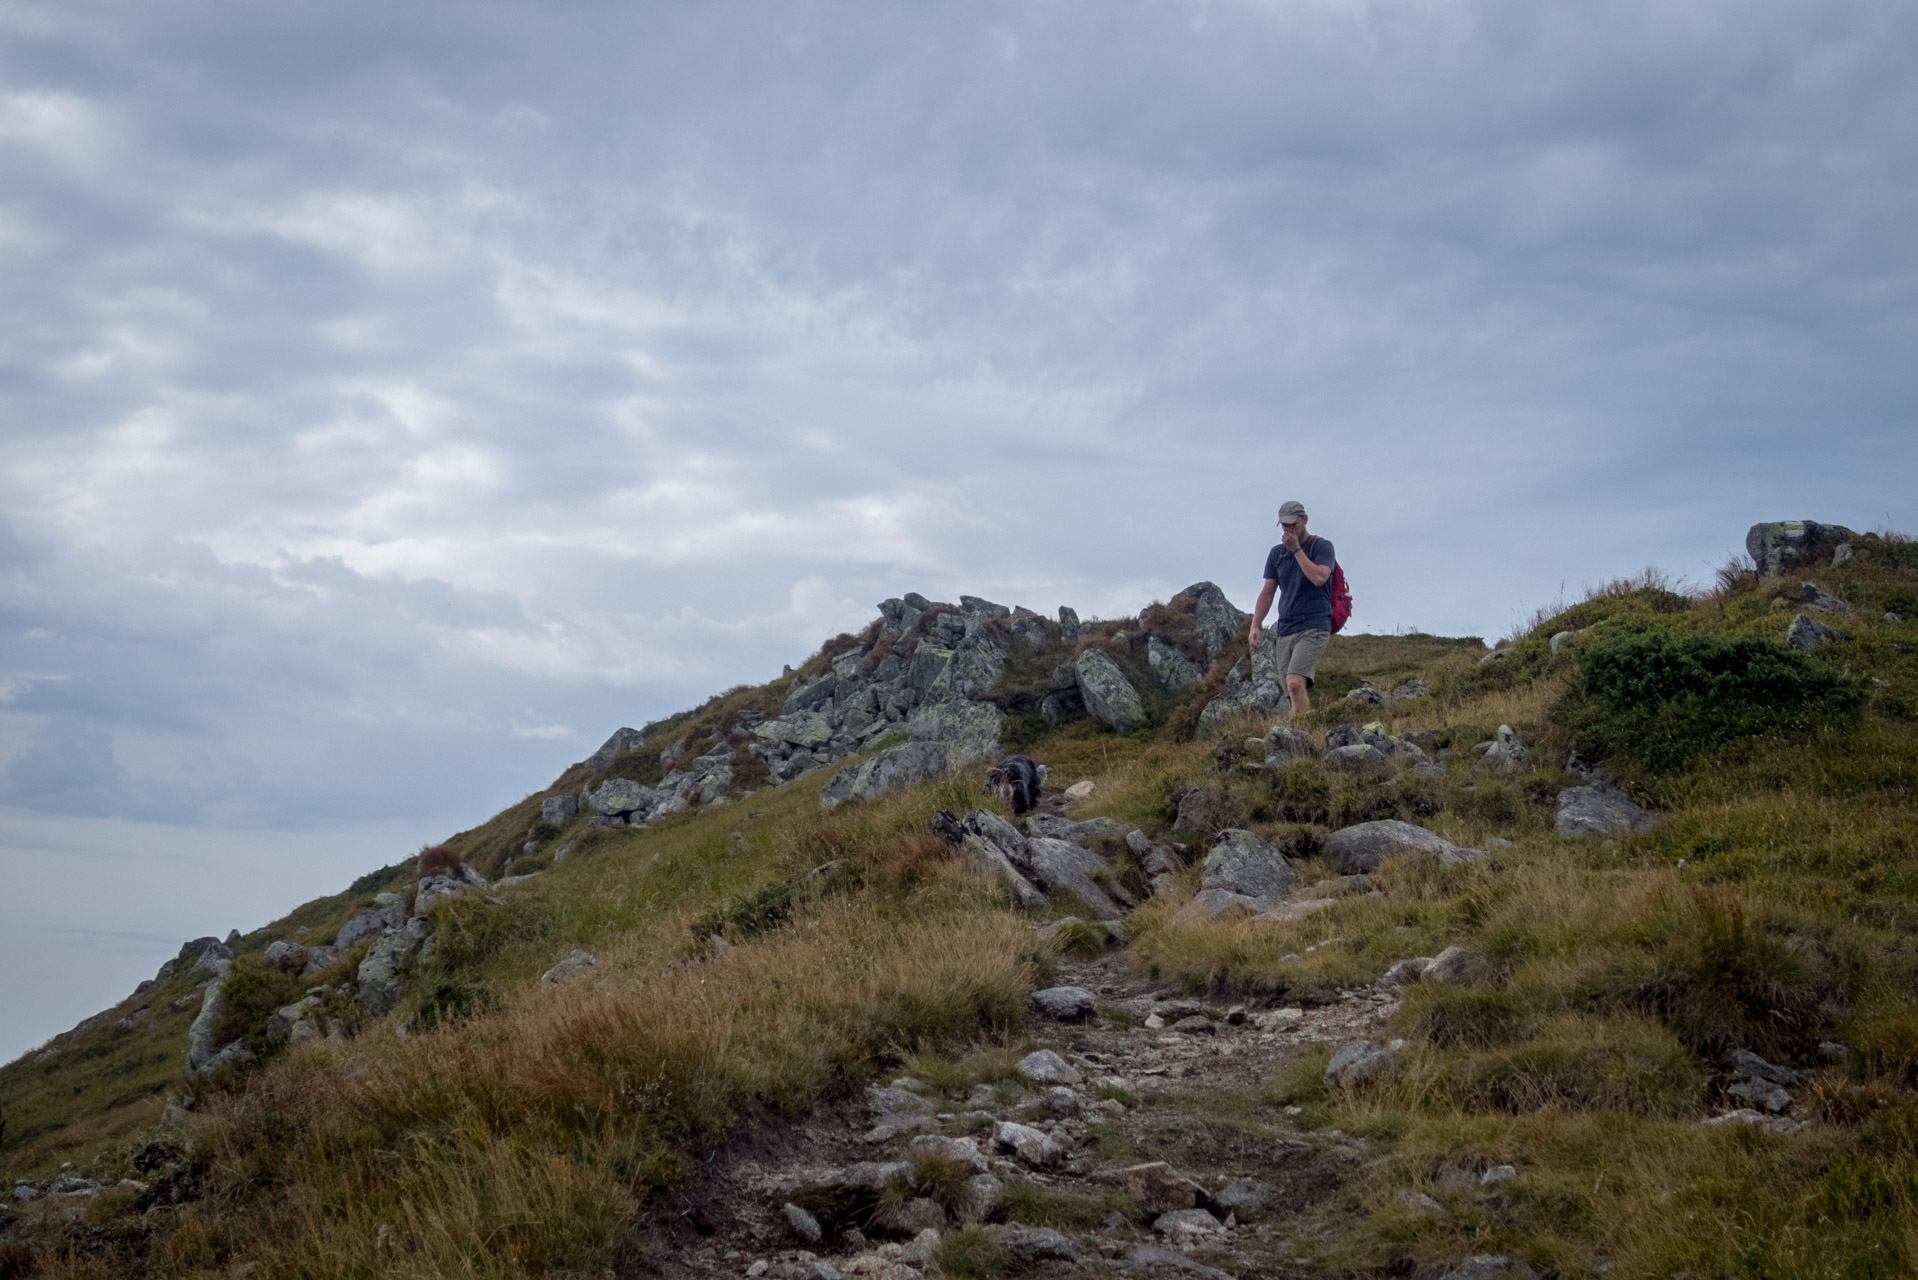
<point x="1291" y="513"/>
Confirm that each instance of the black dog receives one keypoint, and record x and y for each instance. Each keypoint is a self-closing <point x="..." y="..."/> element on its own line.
<point x="1016" y="780"/>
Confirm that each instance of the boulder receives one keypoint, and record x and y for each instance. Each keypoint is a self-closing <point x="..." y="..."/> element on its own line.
<point x="803" y="1224"/>
<point x="1154" y="859"/>
<point x="1404" y="692"/>
<point x="1040" y="1244"/>
<point x="1068" y="624"/>
<point x="1805" y="634"/>
<point x="285" y="956"/>
<point x="1186" y="1229"/>
<point x="618" y="797"/>
<point x="1490" y="1266"/>
<point x="890" y="770"/>
<point x="319" y="960"/>
<point x="455" y="883"/>
<point x="201" y="1052"/>
<point x="1454" y="965"/>
<point x="1284" y="743"/>
<point x="1367" y="692"/>
<point x="1035" y="1147"/>
<point x="1151" y="1260"/>
<point x="1057" y="864"/>
<point x="952" y="1150"/>
<point x="1244" y="863"/>
<point x="559" y="810"/>
<point x="1412" y="969"/>
<point x="992" y="842"/>
<point x="981" y="1195"/>
<point x="1359" y="1061"/>
<point x="1600" y="810"/>
<point x="622" y="741"/>
<point x="1360" y="849"/>
<point x="1029" y="631"/>
<point x="1043" y="1066"/>
<point x="389" y="958"/>
<point x="572" y="965"/>
<point x="1107" y="693"/>
<point x="1357" y="758"/>
<point x="1784" y="544"/>
<point x="1063" y="1004"/>
<point x="1174" y="669"/>
<point x="369" y="924"/>
<point x="970" y="729"/>
<point x="803" y="730"/>
<point x="1243" y="1197"/>
<point x="1508" y="753"/>
<point x="1221" y="904"/>
<point x="1219" y="622"/>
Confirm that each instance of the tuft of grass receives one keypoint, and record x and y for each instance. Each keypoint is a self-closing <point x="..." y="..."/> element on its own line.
<point x="968" y="1254"/>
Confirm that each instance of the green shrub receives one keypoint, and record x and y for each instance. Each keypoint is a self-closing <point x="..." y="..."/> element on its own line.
<point x="1661" y="700"/>
<point x="374" y="881"/>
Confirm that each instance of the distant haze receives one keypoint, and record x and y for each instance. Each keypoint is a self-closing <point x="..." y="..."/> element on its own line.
<point x="397" y="399"/>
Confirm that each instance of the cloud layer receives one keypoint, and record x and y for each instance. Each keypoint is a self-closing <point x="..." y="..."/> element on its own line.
<point x="396" y="401"/>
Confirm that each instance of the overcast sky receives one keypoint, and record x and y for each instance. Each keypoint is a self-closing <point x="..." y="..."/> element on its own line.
<point x="395" y="399"/>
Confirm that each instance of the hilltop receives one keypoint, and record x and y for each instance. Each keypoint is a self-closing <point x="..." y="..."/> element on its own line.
<point x="1499" y="961"/>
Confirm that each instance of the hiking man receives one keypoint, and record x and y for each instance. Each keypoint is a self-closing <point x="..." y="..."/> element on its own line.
<point x="1299" y="569"/>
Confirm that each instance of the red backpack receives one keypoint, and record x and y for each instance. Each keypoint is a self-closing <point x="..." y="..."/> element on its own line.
<point x="1341" y="597"/>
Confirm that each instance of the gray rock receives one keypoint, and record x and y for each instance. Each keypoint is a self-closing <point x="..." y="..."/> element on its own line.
<point x="1174" y="669"/>
<point x="1359" y="1061"/>
<point x="575" y="963"/>
<point x="390" y="958"/>
<point x="804" y="730"/>
<point x="1151" y="1260"/>
<point x="1454" y="965"/>
<point x="1029" y="631"/>
<point x="1154" y="859"/>
<point x="456" y="883"/>
<point x="1405" y="692"/>
<point x="976" y="665"/>
<point x="897" y="1102"/>
<point x="1041" y="1244"/>
<point x="1496" y="1174"/>
<point x="216" y="959"/>
<point x="912" y="1216"/>
<point x="1747" y="1063"/>
<point x="1508" y="753"/>
<point x="1244" y="1198"/>
<point x="1360" y="849"/>
<point x="1244" y="863"/>
<point x="976" y="839"/>
<point x="622" y="741"/>
<point x="1107" y="693"/>
<point x="954" y="1150"/>
<point x="1805" y="634"/>
<point x="1600" y="810"/>
<point x="1222" y="904"/>
<point x="1219" y="622"/>
<point x="1496" y="655"/>
<point x="319" y="960"/>
<point x="1783" y="544"/>
<point x="285" y="956"/>
<point x="894" y="768"/>
<point x="200" y="1049"/>
<point x="1761" y="1095"/>
<point x="803" y="1224"/>
<point x="1367" y="692"/>
<point x="1814" y="597"/>
<point x="1357" y="758"/>
<point x="559" y="810"/>
<point x="1035" y="1147"/>
<point x="1063" y="1004"/>
<point x="1285" y="743"/>
<point x="1061" y="1102"/>
<point x="970" y="729"/>
<point x="1558" y="640"/>
<point x="980" y="1198"/>
<point x="1412" y="969"/>
<point x="1059" y="865"/>
<point x="617" y="797"/>
<point x="1490" y="1266"/>
<point x="1043" y="1066"/>
<point x="1054" y="827"/>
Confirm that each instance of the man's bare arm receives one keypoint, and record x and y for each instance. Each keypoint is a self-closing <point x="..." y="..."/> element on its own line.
<point x="1314" y="572"/>
<point x="1266" y="593"/>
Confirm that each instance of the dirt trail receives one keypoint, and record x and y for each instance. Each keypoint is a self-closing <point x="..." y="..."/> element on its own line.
<point x="1189" y="1096"/>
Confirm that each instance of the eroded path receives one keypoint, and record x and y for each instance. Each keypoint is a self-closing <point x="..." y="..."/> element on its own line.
<point x="1148" y="1077"/>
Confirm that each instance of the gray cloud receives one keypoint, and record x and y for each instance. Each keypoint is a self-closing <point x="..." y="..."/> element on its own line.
<point x="396" y="401"/>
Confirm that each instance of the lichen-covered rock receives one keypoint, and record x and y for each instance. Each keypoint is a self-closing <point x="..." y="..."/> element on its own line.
<point x="891" y="769"/>
<point x="1360" y="849"/>
<point x="992" y="842"/>
<point x="1284" y="743"/>
<point x="622" y="741"/>
<point x="970" y="729"/>
<point x="1219" y="621"/>
<point x="389" y="959"/>
<point x="1057" y="864"/>
<point x="1174" y="669"/>
<point x="1779" y="545"/>
<point x="1806" y="633"/>
<point x="1359" y="1061"/>
<point x="1600" y="810"/>
<point x="1035" y="1147"/>
<point x="1244" y="863"/>
<point x="1508" y="754"/>
<point x="1107" y="693"/>
<point x="1043" y="1066"/>
<point x="559" y="810"/>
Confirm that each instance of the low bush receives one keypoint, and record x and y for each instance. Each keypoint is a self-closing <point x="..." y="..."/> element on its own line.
<point x="1660" y="700"/>
<point x="438" y="859"/>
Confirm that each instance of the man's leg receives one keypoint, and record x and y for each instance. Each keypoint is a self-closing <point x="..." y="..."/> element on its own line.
<point x="1301" y="700"/>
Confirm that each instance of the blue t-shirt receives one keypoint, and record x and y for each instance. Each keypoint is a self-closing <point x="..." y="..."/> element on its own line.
<point x="1302" y="606"/>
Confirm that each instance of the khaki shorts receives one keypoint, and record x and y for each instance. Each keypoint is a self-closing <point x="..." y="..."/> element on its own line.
<point x="1298" y="654"/>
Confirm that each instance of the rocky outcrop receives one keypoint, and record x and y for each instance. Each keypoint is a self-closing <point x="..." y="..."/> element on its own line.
<point x="1806" y="633"/>
<point x="1243" y="863"/>
<point x="622" y="741"/>
<point x="388" y="960"/>
<point x="891" y="769"/>
<point x="1781" y="545"/>
<point x="1507" y="754"/>
<point x="1360" y="849"/>
<point x="1174" y="669"/>
<point x="1107" y="693"/>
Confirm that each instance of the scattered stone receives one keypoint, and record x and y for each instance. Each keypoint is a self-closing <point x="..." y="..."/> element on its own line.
<point x="1053" y="827"/>
<point x="1756" y="1120"/>
<point x="1081" y="790"/>
<point x="1063" y="1004"/>
<point x="1285" y="743"/>
<point x="1188" y="1228"/>
<point x="1061" y="865"/>
<point x="1060" y="1102"/>
<point x="1108" y="695"/>
<point x="575" y="963"/>
<point x="1598" y="811"/>
<point x="896" y="1102"/>
<point x="1490" y="1266"/>
<point x="1359" y="1061"/>
<point x="1221" y="904"/>
<point x="1043" y="1066"/>
<point x="1454" y="965"/>
<point x="1151" y="1260"/>
<point x="1158" y="1189"/>
<point x="1760" y="1095"/>
<point x="1286" y="912"/>
<point x="956" y="1150"/>
<point x="1748" y="1064"/>
<point x="1357" y="758"/>
<point x="1813" y="597"/>
<point x="980" y="1198"/>
<point x="1361" y="848"/>
<point x="1420" y="1201"/>
<point x="1805" y="634"/>
<point x="1496" y="1174"/>
<point x="1243" y="1198"/>
<point x="1041" y="1244"/>
<point x="1034" y="1146"/>
<point x="1508" y="754"/>
<point x="803" y="1224"/>
<point x="559" y="810"/>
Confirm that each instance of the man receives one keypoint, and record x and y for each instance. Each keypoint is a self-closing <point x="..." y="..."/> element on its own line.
<point x="1300" y="570"/>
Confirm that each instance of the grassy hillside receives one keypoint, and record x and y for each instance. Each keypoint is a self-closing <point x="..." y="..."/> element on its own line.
<point x="496" y="1126"/>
